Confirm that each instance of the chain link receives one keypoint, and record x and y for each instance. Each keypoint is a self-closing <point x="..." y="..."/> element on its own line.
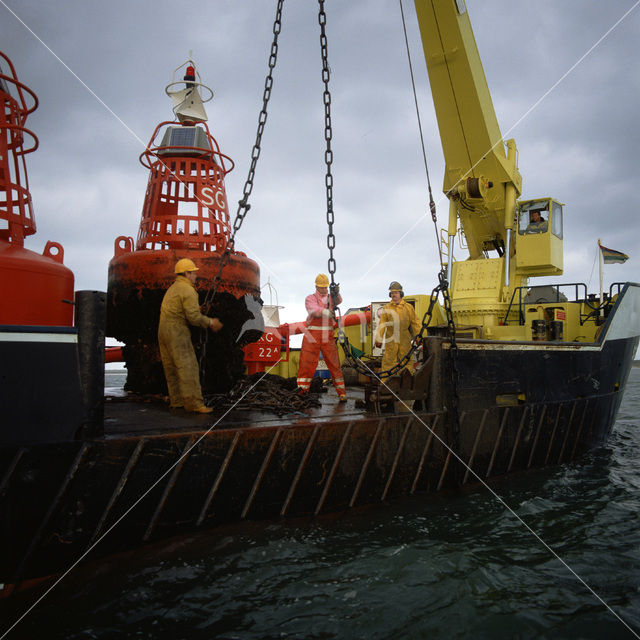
<point x="359" y="366"/>
<point x="334" y="287"/>
<point x="243" y="204"/>
<point x="443" y="285"/>
<point x="328" y="136"/>
<point x="453" y="366"/>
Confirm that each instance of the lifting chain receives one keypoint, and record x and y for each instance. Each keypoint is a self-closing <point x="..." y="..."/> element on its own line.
<point x="328" y="154"/>
<point x="243" y="204"/>
<point x="443" y="286"/>
<point x="442" y="277"/>
<point x="334" y="287"/>
<point x="361" y="367"/>
<point x="453" y="365"/>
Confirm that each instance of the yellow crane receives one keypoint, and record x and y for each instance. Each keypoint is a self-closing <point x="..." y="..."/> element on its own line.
<point x="508" y="240"/>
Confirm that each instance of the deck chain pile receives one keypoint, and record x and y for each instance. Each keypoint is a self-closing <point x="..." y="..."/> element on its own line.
<point x="267" y="393"/>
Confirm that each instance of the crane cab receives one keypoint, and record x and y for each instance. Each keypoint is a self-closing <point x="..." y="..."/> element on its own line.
<point x="539" y="238"/>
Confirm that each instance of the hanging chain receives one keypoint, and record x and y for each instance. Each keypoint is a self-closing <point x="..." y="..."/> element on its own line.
<point x="243" y="204"/>
<point x="443" y="286"/>
<point x="328" y="135"/>
<point x="453" y="366"/>
<point x="442" y="276"/>
<point x="334" y="287"/>
<point x="361" y="367"/>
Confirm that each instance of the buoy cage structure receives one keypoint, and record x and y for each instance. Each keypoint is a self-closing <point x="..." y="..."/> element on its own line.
<point x="185" y="215"/>
<point x="26" y="275"/>
<point x="40" y="394"/>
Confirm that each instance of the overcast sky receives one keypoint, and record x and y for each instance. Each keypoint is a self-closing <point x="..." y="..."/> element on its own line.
<point x="580" y="144"/>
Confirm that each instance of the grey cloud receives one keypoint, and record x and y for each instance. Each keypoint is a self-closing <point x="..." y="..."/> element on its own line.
<point x="579" y="145"/>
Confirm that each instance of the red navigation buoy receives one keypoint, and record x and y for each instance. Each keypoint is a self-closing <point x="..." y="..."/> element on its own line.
<point x="35" y="289"/>
<point x="185" y="215"/>
<point x="41" y="394"/>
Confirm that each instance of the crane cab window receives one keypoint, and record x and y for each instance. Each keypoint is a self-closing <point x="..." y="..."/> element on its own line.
<point x="556" y="219"/>
<point x="540" y="216"/>
<point x="534" y="220"/>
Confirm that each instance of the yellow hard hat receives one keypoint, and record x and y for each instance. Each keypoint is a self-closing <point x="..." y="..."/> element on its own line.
<point x="185" y="264"/>
<point x="395" y="286"/>
<point x="322" y="280"/>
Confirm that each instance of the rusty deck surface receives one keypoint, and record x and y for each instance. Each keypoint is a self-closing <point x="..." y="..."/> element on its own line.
<point x="123" y="417"/>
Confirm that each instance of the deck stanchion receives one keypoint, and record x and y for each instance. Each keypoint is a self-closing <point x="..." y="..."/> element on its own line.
<point x="553" y="434"/>
<point x="263" y="470"/>
<point x="334" y="468"/>
<point x="133" y="459"/>
<point x="475" y="445"/>
<point x="367" y="460"/>
<point x="579" y="432"/>
<point x="535" y="439"/>
<point x="52" y="507"/>
<point x="445" y="466"/>
<point x="444" y="470"/>
<point x="517" y="440"/>
<point x="218" y="480"/>
<point x="566" y="435"/>
<point x="396" y="458"/>
<point x="594" y="415"/>
<point x="503" y="422"/>
<point x="167" y="490"/>
<point x="10" y="469"/>
<point x="300" y="471"/>
<point x="425" y="451"/>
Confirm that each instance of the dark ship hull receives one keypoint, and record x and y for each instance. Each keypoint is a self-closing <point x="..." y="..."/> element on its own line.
<point x="513" y="406"/>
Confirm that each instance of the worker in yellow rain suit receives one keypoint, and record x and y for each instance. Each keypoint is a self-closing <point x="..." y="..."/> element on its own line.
<point x="398" y="322"/>
<point x="180" y="309"/>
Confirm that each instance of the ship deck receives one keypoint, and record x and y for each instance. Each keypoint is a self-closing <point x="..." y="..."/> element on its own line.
<point x="125" y="417"/>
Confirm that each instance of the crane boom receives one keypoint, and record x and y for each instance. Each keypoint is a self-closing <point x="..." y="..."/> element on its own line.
<point x="469" y="130"/>
<point x="474" y="152"/>
<point x="481" y="178"/>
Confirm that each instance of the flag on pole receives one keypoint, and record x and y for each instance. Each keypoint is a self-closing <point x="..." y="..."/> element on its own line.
<point x="611" y="256"/>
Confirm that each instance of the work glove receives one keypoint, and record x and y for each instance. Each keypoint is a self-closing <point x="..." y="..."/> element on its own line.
<point x="215" y="325"/>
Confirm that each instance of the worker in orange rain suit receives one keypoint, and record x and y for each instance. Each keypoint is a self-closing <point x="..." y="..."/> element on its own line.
<point x="318" y="337"/>
<point x="398" y="322"/>
<point x="179" y="309"/>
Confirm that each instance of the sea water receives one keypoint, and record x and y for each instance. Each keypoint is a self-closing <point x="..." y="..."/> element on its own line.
<point x="458" y="566"/>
